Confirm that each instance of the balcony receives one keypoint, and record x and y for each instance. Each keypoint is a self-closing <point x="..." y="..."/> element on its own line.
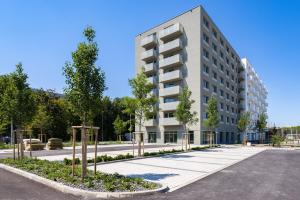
<point x="242" y="95"/>
<point x="170" y="47"/>
<point x="169" y="106"/>
<point x="170" y="91"/>
<point x="149" y="55"/>
<point x="170" y="122"/>
<point x="171" y="32"/>
<point x="171" y="61"/>
<point x="171" y="76"/>
<point x="151" y="67"/>
<point x="242" y="76"/>
<point x="150" y="122"/>
<point x="152" y="80"/>
<point x="148" y="41"/>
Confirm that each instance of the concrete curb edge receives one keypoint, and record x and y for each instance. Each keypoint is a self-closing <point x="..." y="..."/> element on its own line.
<point x="79" y="192"/>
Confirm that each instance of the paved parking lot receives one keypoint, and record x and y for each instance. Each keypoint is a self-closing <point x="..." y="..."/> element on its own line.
<point x="177" y="170"/>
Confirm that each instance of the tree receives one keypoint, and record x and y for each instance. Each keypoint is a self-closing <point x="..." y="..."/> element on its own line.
<point x="183" y="112"/>
<point x="243" y="124"/>
<point x="212" y="121"/>
<point x="85" y="84"/>
<point x="130" y="107"/>
<point x="17" y="100"/>
<point x="41" y="120"/>
<point x="143" y="100"/>
<point x="261" y="124"/>
<point x="119" y="126"/>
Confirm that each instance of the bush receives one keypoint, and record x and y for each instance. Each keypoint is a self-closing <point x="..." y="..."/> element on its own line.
<point x="276" y="140"/>
<point x="69" y="161"/>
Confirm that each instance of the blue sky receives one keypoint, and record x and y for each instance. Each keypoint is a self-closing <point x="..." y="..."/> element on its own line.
<point x="42" y="34"/>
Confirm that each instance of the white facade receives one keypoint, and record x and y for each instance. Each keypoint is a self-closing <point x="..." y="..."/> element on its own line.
<point x="255" y="96"/>
<point x="190" y="50"/>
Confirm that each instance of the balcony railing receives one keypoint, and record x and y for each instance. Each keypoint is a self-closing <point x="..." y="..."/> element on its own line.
<point x="169" y="106"/>
<point x="151" y="67"/>
<point x="170" y="121"/>
<point x="152" y="80"/>
<point x="149" y="55"/>
<point x="170" y="91"/>
<point x="151" y="122"/>
<point x="149" y="40"/>
<point x="171" y="76"/>
<point x="170" y="61"/>
<point x="171" y="32"/>
<point x="170" y="47"/>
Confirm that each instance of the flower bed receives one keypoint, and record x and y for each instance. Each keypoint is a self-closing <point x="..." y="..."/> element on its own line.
<point x="62" y="173"/>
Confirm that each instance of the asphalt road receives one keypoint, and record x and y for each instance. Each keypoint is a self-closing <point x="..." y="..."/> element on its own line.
<point x="69" y="151"/>
<point x="270" y="175"/>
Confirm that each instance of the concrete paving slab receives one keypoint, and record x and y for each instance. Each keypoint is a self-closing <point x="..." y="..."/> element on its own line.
<point x="180" y="169"/>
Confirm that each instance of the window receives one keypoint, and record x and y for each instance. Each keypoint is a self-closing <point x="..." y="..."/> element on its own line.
<point x="222" y="67"/>
<point x="206" y="84"/>
<point x="215" y="61"/>
<point x="221" y="93"/>
<point x="222" y="42"/>
<point x="227" y="108"/>
<point x="215" y="89"/>
<point x="227" y="61"/>
<point x="168" y="114"/>
<point x="232" y="99"/>
<point x="170" y="99"/>
<point x="205" y="69"/>
<point x="206" y="23"/>
<point x="205" y="115"/>
<point x="205" y="99"/>
<point x="215" y="75"/>
<point x="205" y="53"/>
<point x="222" y="80"/>
<point x="232" y="66"/>
<point x="215" y="33"/>
<point x="222" y="118"/>
<point x="215" y="47"/>
<point x="232" y="88"/>
<point x="232" y="120"/>
<point x="152" y="137"/>
<point x="222" y="106"/>
<point x="227" y="72"/>
<point x="206" y="38"/>
<point x="232" y="109"/>
<point x="227" y="96"/>
<point x="227" y="49"/>
<point x="227" y="84"/>
<point x="227" y="119"/>
<point x="232" y="77"/>
<point x="170" y="137"/>
<point x="167" y="85"/>
<point x="222" y="54"/>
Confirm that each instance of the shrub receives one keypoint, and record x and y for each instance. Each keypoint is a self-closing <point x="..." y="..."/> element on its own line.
<point x="277" y="140"/>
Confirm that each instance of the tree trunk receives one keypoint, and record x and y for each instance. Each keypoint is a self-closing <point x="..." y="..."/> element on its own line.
<point x="186" y="138"/>
<point x="83" y="149"/>
<point x="140" y="138"/>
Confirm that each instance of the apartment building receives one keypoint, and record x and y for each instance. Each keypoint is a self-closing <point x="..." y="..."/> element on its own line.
<point x="254" y="96"/>
<point x="190" y="50"/>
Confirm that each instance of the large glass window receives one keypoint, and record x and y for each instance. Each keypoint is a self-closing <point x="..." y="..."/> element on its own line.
<point x="152" y="137"/>
<point x="170" y="137"/>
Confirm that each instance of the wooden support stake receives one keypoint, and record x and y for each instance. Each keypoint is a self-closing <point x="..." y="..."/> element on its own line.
<point x="30" y="153"/>
<point x="83" y="153"/>
<point x="74" y="144"/>
<point x="96" y="150"/>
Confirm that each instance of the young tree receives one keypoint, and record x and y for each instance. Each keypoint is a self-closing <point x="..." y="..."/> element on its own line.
<point x="119" y="126"/>
<point x="17" y="101"/>
<point x="212" y="121"/>
<point x="85" y="84"/>
<point x="41" y="120"/>
<point x="183" y="112"/>
<point x="144" y="102"/>
<point x="243" y="124"/>
<point x="261" y="124"/>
